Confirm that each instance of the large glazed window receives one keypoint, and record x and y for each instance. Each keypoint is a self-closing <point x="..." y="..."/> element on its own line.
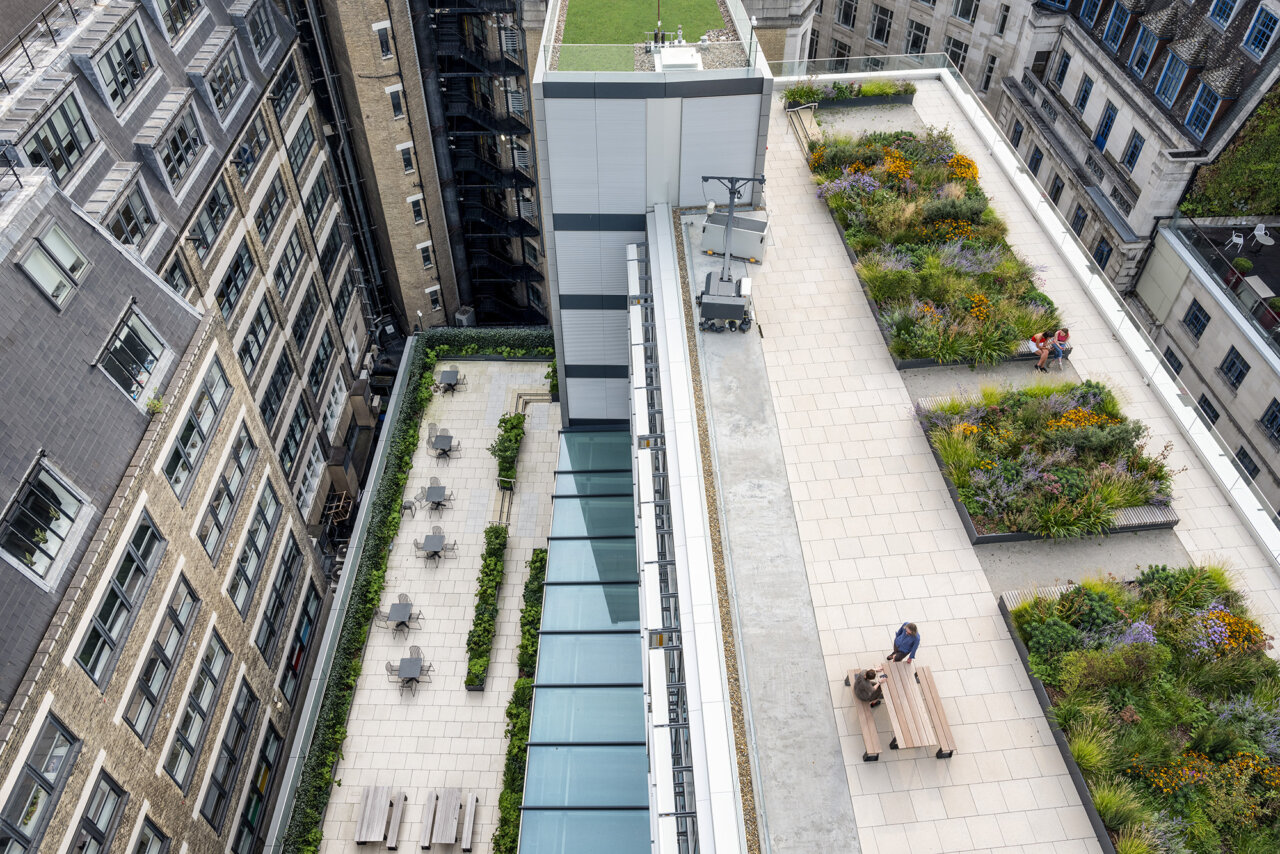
<point x="114" y="616"/>
<point x="62" y="141"/>
<point x="39" y="784"/>
<point x="38" y="523"/>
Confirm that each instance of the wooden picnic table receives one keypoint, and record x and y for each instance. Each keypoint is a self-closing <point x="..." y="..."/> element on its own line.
<point x="446" y="829"/>
<point x="915" y="711"/>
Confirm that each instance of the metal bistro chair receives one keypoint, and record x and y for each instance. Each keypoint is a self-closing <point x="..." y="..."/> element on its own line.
<point x="421" y="497"/>
<point x="393" y="674"/>
<point x="451" y="550"/>
<point x="1237" y="241"/>
<point x="431" y="431"/>
<point x="435" y="481"/>
<point x="415" y="652"/>
<point x="380" y="618"/>
<point x="404" y="599"/>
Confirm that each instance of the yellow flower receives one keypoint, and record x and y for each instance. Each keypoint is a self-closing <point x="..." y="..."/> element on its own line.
<point x="963" y="168"/>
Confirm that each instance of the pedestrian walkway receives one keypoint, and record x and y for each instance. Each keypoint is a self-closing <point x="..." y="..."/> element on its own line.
<point x="446" y="736"/>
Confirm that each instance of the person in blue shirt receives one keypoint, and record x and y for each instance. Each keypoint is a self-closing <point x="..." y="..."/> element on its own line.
<point x="905" y="643"/>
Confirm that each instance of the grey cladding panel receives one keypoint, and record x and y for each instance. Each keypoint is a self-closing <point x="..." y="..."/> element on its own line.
<point x="571" y="152"/>
<point x="593" y="262"/>
<point x="719" y="136"/>
<point x="598" y="399"/>
<point x="594" y="337"/>
<point x="620" y="144"/>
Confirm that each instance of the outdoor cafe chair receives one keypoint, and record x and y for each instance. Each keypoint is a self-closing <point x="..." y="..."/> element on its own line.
<point x="1237" y="241"/>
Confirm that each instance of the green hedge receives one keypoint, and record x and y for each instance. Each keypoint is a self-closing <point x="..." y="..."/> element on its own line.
<point x="506" y="838"/>
<point x="480" y="638"/>
<point x="471" y="340"/>
<point x="506" y="448"/>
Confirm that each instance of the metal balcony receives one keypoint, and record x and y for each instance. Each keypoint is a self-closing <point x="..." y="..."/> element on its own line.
<point x="462" y="107"/>
<point x="482" y="63"/>
<point x="493" y="174"/>
<point x="506" y="271"/>
<point x="503" y="224"/>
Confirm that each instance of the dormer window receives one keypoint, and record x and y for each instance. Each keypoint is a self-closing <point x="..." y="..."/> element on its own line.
<point x="123" y="65"/>
<point x="1261" y="32"/>
<point x="177" y="14"/>
<point x="62" y="141"/>
<point x="132" y="356"/>
<point x="226" y="80"/>
<point x="132" y="220"/>
<point x="180" y="147"/>
<point x="55" y="264"/>
<point x="262" y="27"/>
<point x="1202" y="111"/>
<point x="1220" y="12"/>
<point x="38" y="524"/>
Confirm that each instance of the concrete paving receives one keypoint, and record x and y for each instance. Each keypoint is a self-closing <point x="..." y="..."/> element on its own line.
<point x="445" y="735"/>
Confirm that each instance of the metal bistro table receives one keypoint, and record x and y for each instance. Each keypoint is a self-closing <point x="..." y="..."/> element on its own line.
<point x="435" y="497"/>
<point x="399" y="614"/>
<point x="432" y="545"/>
<point x="442" y="445"/>
<point x="409" y="671"/>
<point x="448" y="381"/>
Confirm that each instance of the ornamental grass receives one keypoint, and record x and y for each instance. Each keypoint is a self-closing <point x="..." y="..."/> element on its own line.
<point x="932" y="252"/>
<point x="1169" y="704"/>
<point x="1053" y="459"/>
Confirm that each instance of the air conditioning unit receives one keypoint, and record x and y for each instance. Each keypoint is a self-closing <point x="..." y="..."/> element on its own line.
<point x="749" y="236"/>
<point x="465" y="316"/>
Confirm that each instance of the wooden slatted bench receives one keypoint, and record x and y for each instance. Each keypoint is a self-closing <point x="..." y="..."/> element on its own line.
<point x="428" y="817"/>
<point x="393" y="826"/>
<point x="946" y="743"/>
<point x="371" y="821"/>
<point x="469" y="803"/>
<point x="867" y="722"/>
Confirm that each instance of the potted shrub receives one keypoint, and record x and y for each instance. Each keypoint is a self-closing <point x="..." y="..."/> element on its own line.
<point x="1240" y="267"/>
<point x="1268" y="313"/>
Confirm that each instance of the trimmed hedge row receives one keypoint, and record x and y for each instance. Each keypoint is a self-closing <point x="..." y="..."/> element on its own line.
<point x="483" y="625"/>
<point x="506" y="838"/>
<point x="305" y="828"/>
<point x="534" y="340"/>
<point x="506" y="448"/>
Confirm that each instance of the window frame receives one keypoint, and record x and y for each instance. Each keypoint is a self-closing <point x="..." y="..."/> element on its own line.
<point x="228" y="489"/>
<point x="249" y="830"/>
<point x="304" y="318"/>
<point x="1078" y="218"/>
<point x="246" y="569"/>
<point x="279" y="598"/>
<point x="1002" y="21"/>
<point x="1089" y="8"/>
<point x="1173" y="361"/>
<point x="294" y="151"/>
<point x="52" y="482"/>
<point x="196" y="708"/>
<point x="254" y="344"/>
<point x="176" y="16"/>
<point x="1035" y="160"/>
<point x="273" y="204"/>
<point x="183" y="595"/>
<point x="1222" y="22"/>
<point x="226" y="81"/>
<point x="313" y="206"/>
<point x="1015" y="136"/>
<point x="180" y="147"/>
<point x="1060" y="73"/>
<point x="88" y="829"/>
<point x="1195" y="107"/>
<point x="294" y="437"/>
<point x="284" y="89"/>
<point x="236" y="280"/>
<point x="949" y="45"/>
<point x="1234" y="368"/>
<point x="917" y="33"/>
<point x="180" y="450"/>
<point x="134" y="202"/>
<point x="1191" y="319"/>
<point x="72" y="276"/>
<point x="1083" y="92"/>
<point x="1171" y="61"/>
<point x="1098" y="250"/>
<point x="1148" y="42"/>
<point x="207" y="226"/>
<point x="1247" y="463"/>
<point x="1207" y="410"/>
<point x="1113" y="35"/>
<point x="161" y="842"/>
<point x="259" y="20"/>
<point x="292" y="257"/>
<point x="846" y="14"/>
<point x="253" y="143"/>
<point x="988" y="73"/>
<point x="1106" y="122"/>
<point x="125" y="72"/>
<point x="71" y="152"/>
<point x="320" y="363"/>
<point x="52" y="788"/>
<point x="1257" y="26"/>
<point x="276" y="390"/>
<point x="1132" y="150"/>
<point x="236" y="735"/>
<point x="882" y="19"/>
<point x="300" y="647"/>
<point x="958" y="5"/>
<point x="1056" y="186"/>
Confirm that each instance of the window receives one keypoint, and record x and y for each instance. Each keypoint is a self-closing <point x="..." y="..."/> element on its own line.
<point x="248" y="568"/>
<point x="415" y="206"/>
<point x="303" y="141"/>
<point x="956" y="50"/>
<point x="1221" y="10"/>
<point x="813" y="44"/>
<point x="1200" y="116"/>
<point x="1247" y="463"/>
<point x="273" y="397"/>
<point x="39" y="784"/>
<point x="1171" y="79"/>
<point x="61" y="142"/>
<point x="1089" y="11"/>
<point x="297" y="659"/>
<point x="1015" y="139"/>
<point x="1132" y="150"/>
<point x="38" y="522"/>
<point x="424" y="249"/>
<point x="334" y="405"/>
<point x="1055" y="189"/>
<point x="839" y="56"/>
<point x="254" y="142"/>
<point x="320" y="363"/>
<point x="881" y="24"/>
<point x="177" y="278"/>
<point x="1002" y="20"/>
<point x="132" y="355"/>
<point x="406" y="159"/>
<point x="180" y="147"/>
<point x="290" y="261"/>
<point x="234" y="282"/>
<point x="1083" y="93"/>
<point x="434" y="295"/>
<point x="177" y="14"/>
<point x="98" y="824"/>
<point x="1116" y="26"/>
<point x="305" y="317"/>
<point x="965" y="10"/>
<point x="248" y="833"/>
<point x="162" y="660"/>
<point x="151" y="840"/>
<point x="133" y="219"/>
<point x="1260" y="32"/>
<point x="383" y="32"/>
<point x="317" y="198"/>
<point x="269" y="211"/>
<point x="1102" y="252"/>
<point x="917" y="38"/>
<point x="193" y="439"/>
<point x="1143" y="48"/>
<point x="1270" y="421"/>
<point x="284" y="89"/>
<point x="262" y="27"/>
<point x="396" y="94"/>
<point x="123" y="65"/>
<point x="1196" y="319"/>
<point x="1064" y="62"/>
<point x="276" y="609"/>
<point x="1078" y="219"/>
<point x="193" y="722"/>
<point x="54" y="264"/>
<point x="226" y="493"/>
<point x="226" y="765"/>
<point x="1174" y="362"/>
<point x="1233" y="368"/>
<point x="331" y="250"/>
<point x="343" y="299"/>
<point x="1208" y="410"/>
<point x="1037" y="156"/>
<point x="988" y="73"/>
<point x="1105" y="123"/>
<point x="225" y="80"/>
<point x="208" y="225"/>
<point x="292" y="443"/>
<point x="847" y="13"/>
<point x="255" y="339"/>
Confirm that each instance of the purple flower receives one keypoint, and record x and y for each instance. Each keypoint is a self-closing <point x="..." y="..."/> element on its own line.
<point x="1138" y="632"/>
<point x="974" y="261"/>
<point x="890" y="258"/>
<point x="858" y="181"/>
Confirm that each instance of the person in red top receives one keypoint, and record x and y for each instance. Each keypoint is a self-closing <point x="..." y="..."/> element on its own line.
<point x="1041" y="340"/>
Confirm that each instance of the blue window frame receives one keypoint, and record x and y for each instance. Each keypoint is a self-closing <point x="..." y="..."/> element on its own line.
<point x="1016" y="137"/>
<point x="1200" y="116"/>
<point x="1104" y="126"/>
<point x="1083" y="93"/>
<point x="1247" y="463"/>
<point x="1089" y="11"/>
<point x="1036" y="157"/>
<point x="1078" y="218"/>
<point x="1102" y="252"/>
<point x="1208" y="410"/>
<point x="1260" y="33"/>
<point x="1063" y="64"/>
<point x="1143" y="48"/>
<point x="1270" y="421"/>
<point x="1196" y="319"/>
<point x="1116" y="25"/>
<point x="1171" y="80"/>
<point x="1234" y="368"/>
<point x="1175" y="364"/>
<point x="1132" y="150"/>
<point x="1220" y="11"/>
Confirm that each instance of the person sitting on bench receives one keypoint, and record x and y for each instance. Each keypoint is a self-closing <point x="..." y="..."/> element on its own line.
<point x="1059" y="342"/>
<point x="866" y="689"/>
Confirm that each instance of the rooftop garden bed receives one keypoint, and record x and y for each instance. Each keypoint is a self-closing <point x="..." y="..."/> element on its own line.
<point x="1052" y="460"/>
<point x="850" y="94"/>
<point x="1243" y="180"/>
<point x="610" y="22"/>
<point x="928" y="248"/>
<point x="1168" y="707"/>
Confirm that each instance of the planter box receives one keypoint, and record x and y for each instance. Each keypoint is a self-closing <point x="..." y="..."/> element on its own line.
<point x="479" y="687"/>
<point x="864" y="101"/>
<point x="1059" y="737"/>
<point x="1150" y="518"/>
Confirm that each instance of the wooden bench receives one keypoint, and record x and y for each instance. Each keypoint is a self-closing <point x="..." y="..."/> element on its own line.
<point x="867" y="721"/>
<point x="469" y="803"/>
<point x="393" y="826"/>
<point x="446" y="829"/>
<point x="371" y="820"/>
<point x="428" y="817"/>
<point x="946" y="742"/>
